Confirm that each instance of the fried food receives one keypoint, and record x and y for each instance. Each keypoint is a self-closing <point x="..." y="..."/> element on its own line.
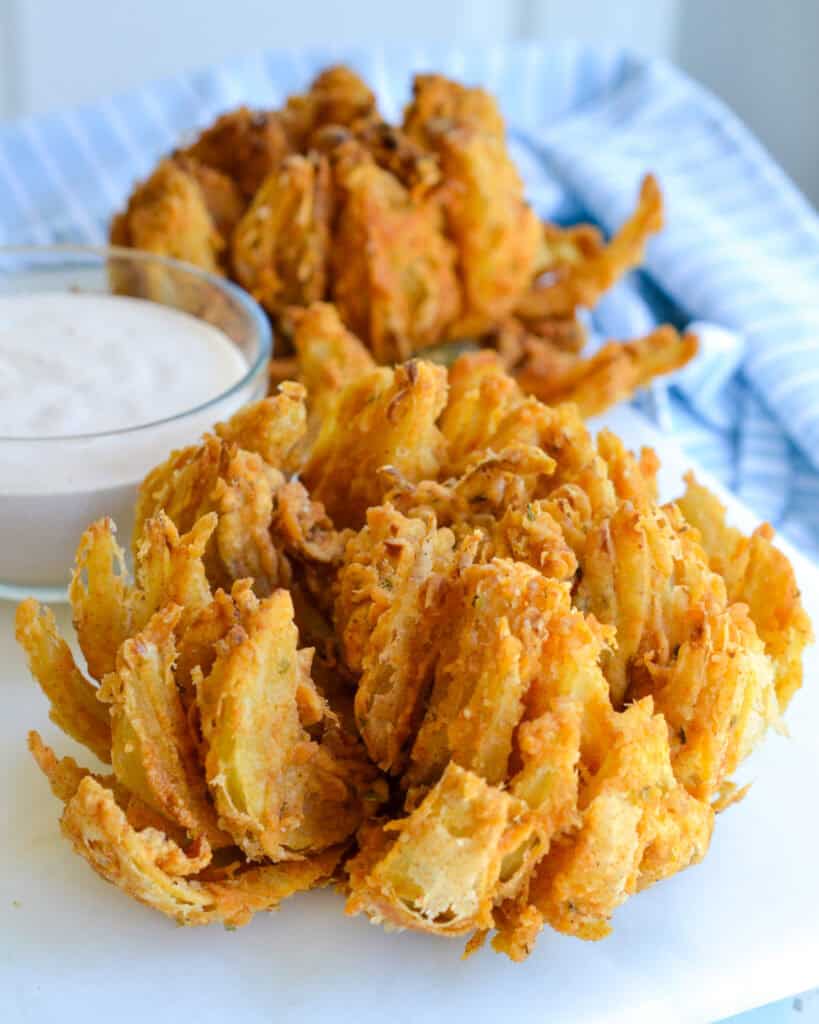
<point x="498" y="618"/>
<point x="384" y="417"/>
<point x="438" y="869"/>
<point x="578" y="272"/>
<point x="154" y="750"/>
<point x="717" y="696"/>
<point x="409" y="626"/>
<point x="396" y="151"/>
<point x="490" y="495"/>
<point x="279" y="794"/>
<point x="223" y="197"/>
<point x="107" y="608"/>
<point x="393" y="270"/>
<point x="337" y="97"/>
<point x="239" y="487"/>
<point x="168" y="215"/>
<point x="419" y="233"/>
<point x="387" y="590"/>
<point x="73" y="699"/>
<point x="246" y="145"/>
<point x="272" y="428"/>
<point x="236" y="484"/>
<point x="758" y="575"/>
<point x="155" y="871"/>
<point x="436" y="99"/>
<point x="281" y="245"/>
<point x="598" y="382"/>
<point x="480" y="396"/>
<point x="495" y="232"/>
<point x="178" y="716"/>
<point x="329" y="357"/>
<point x="623" y="808"/>
<point x="558" y="675"/>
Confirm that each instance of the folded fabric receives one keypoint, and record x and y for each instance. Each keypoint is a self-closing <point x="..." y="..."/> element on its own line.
<point x="739" y="257"/>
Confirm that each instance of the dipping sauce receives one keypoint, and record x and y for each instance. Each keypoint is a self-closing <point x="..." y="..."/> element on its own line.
<point x="85" y="364"/>
<point x="95" y="390"/>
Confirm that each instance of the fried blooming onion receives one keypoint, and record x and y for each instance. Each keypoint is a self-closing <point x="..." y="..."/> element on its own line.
<point x="419" y="233"/>
<point x="421" y="634"/>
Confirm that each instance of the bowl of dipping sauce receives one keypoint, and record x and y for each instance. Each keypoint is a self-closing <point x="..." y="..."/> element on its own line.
<point x="109" y="359"/>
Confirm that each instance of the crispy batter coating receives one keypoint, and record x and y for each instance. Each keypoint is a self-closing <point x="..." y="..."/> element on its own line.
<point x="623" y="823"/>
<point x="244" y="496"/>
<point x="385" y="417"/>
<point x="246" y="145"/>
<point x="758" y="575"/>
<point x="590" y="270"/>
<point x="239" y="487"/>
<point x="678" y="635"/>
<point x="281" y="245"/>
<point x="439" y="872"/>
<point x="491" y="494"/>
<point x="480" y="396"/>
<point x="397" y="152"/>
<point x="436" y="99"/>
<point x="273" y="427"/>
<point x="531" y="534"/>
<point x="99" y="597"/>
<point x="611" y="375"/>
<point x="154" y="750"/>
<point x="261" y="521"/>
<point x="549" y="749"/>
<point x="197" y="643"/>
<point x="170" y="570"/>
<point x="153" y="869"/>
<point x="279" y="794"/>
<point x="168" y="215"/>
<point x="567" y="246"/>
<point x="263" y="439"/>
<point x="107" y="608"/>
<point x="496" y="233"/>
<point x="64" y="774"/>
<point x="386" y="605"/>
<point x="498" y="618"/>
<point x="337" y="97"/>
<point x="304" y="528"/>
<point x="394" y="276"/>
<point x="717" y="695"/>
<point x="73" y="699"/>
<point x="329" y="357"/>
<point x="223" y="197"/>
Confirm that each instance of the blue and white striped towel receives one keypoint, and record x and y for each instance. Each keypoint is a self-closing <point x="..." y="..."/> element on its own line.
<point x="739" y="257"/>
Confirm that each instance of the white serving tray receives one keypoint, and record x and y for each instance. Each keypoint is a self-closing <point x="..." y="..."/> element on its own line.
<point x="739" y="930"/>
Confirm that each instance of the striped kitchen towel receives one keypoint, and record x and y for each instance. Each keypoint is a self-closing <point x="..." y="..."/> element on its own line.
<point x="739" y="257"/>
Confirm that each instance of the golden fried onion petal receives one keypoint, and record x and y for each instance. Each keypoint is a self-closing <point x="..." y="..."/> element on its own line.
<point x="153" y="869"/>
<point x="438" y="869"/>
<point x="74" y="704"/>
<point x="154" y="750"/>
<point x="279" y="793"/>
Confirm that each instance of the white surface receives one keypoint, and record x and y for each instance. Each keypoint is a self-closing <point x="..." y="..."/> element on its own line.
<point x="737" y="931"/>
<point x="84" y="364"/>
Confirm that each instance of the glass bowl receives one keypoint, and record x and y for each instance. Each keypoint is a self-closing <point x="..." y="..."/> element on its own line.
<point x="52" y="488"/>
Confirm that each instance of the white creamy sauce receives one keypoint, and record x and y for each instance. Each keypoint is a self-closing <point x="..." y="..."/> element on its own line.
<point x="80" y="364"/>
<point x="83" y="363"/>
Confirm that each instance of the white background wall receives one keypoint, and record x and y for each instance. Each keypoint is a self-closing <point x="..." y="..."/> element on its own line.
<point x="762" y="56"/>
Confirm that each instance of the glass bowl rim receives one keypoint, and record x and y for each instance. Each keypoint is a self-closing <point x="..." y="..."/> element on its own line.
<point x="102" y="253"/>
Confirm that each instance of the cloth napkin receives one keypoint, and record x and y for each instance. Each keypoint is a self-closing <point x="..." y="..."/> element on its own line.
<point x="738" y="259"/>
